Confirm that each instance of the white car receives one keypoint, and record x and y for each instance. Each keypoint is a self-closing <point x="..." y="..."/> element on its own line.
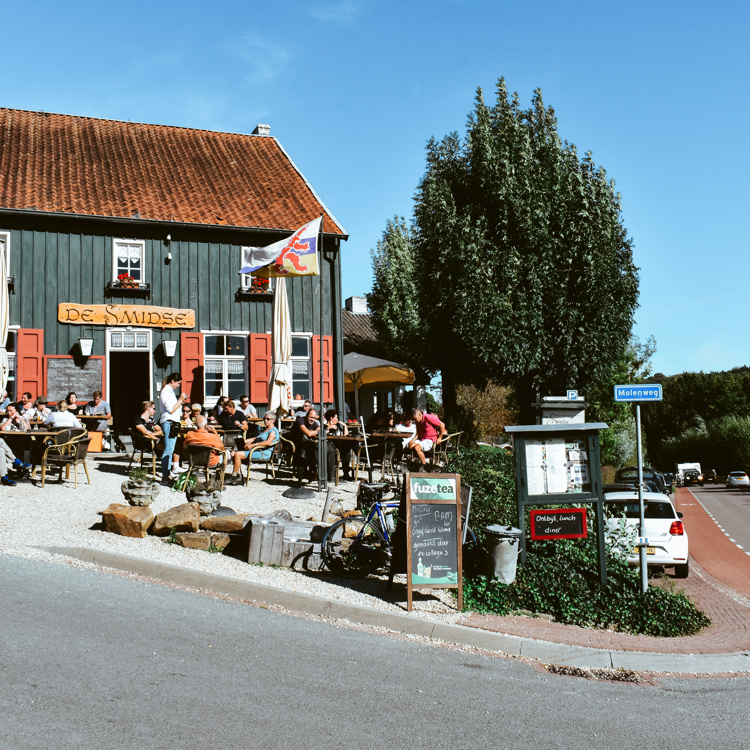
<point x="667" y="538"/>
<point x="737" y="479"/>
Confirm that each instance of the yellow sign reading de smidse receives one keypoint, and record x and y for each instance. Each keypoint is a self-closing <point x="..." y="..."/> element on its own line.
<point x="125" y="315"/>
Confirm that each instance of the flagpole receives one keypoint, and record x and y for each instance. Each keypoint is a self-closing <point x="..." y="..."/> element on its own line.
<point x="322" y="444"/>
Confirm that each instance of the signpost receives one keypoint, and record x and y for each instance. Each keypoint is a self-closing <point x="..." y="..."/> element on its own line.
<point x="639" y="393"/>
<point x="433" y="528"/>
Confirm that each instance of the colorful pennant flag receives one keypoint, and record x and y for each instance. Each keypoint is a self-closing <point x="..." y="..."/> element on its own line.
<point x="295" y="256"/>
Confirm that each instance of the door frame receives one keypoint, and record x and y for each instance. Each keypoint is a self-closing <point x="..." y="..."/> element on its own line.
<point x="108" y="348"/>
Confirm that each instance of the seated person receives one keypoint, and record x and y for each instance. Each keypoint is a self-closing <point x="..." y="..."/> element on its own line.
<point x="428" y="427"/>
<point x="42" y="410"/>
<point x="62" y="417"/>
<point x="304" y="409"/>
<point x="205" y="436"/>
<point x="5" y="401"/>
<point x="216" y="411"/>
<point x="305" y="436"/>
<point x="14" y="420"/>
<point x="98" y="407"/>
<point x="266" y="440"/>
<point x="146" y="425"/>
<point x="232" y="420"/>
<point x="196" y="410"/>
<point x="26" y="406"/>
<point x="409" y="430"/>
<point x="8" y="460"/>
<point x="186" y="416"/>
<point x="246" y="407"/>
<point x="336" y="428"/>
<point x="72" y="401"/>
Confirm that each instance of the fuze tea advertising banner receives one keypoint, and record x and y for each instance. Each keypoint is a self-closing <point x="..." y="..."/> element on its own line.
<point x="429" y="488"/>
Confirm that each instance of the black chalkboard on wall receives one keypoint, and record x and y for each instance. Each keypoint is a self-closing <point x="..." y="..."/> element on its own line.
<point x="64" y="374"/>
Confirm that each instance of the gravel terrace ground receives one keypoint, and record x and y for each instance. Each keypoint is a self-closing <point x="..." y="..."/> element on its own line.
<point x="60" y="515"/>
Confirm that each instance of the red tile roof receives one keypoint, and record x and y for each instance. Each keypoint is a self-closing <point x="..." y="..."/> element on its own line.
<point x="83" y="165"/>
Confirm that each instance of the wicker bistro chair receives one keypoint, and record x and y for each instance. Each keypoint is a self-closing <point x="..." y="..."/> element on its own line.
<point x="448" y="445"/>
<point x="63" y="455"/>
<point x="142" y="445"/>
<point x="254" y="455"/>
<point x="285" y="454"/>
<point x="199" y="459"/>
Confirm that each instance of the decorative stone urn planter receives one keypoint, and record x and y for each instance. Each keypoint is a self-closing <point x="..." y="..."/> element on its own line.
<point x="140" y="492"/>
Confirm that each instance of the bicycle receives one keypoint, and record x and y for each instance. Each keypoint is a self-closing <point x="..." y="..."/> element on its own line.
<point x="371" y="547"/>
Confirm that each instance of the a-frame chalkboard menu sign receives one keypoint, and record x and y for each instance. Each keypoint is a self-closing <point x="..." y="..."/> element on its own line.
<point x="433" y="530"/>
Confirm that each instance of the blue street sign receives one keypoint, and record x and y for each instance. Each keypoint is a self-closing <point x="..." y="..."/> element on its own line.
<point x="572" y="395"/>
<point x="650" y="392"/>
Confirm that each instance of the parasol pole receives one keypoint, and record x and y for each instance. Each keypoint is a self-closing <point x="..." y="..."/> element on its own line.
<point x="322" y="445"/>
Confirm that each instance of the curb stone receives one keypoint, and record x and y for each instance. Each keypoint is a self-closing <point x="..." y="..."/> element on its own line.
<point x="511" y="645"/>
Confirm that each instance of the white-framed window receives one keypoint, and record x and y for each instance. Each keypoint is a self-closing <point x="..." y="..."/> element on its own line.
<point x="129" y="340"/>
<point x="5" y="247"/>
<point x="246" y="282"/>
<point x="301" y="362"/>
<point x="224" y="366"/>
<point x="129" y="257"/>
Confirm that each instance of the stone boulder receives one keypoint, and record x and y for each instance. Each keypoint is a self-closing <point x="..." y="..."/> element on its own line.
<point x="202" y="540"/>
<point x="226" y="524"/>
<point x="127" y="520"/>
<point x="185" y="517"/>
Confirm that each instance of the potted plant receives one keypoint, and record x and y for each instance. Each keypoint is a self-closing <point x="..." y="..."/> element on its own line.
<point x="259" y="285"/>
<point x="140" y="488"/>
<point x="127" y="281"/>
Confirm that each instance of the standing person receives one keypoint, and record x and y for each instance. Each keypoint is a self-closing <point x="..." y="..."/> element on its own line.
<point x="169" y="405"/>
<point x="428" y="427"/>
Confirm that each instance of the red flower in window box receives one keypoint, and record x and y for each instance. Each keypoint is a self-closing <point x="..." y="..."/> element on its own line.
<point x="260" y="285"/>
<point x="126" y="281"/>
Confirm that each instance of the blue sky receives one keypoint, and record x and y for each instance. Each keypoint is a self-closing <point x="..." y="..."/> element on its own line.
<point x="354" y="89"/>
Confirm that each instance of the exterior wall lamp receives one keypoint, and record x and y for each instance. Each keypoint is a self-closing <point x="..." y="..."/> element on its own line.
<point x="86" y="346"/>
<point x="170" y="347"/>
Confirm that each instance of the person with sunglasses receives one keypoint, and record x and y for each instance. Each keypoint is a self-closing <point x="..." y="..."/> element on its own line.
<point x="266" y="440"/>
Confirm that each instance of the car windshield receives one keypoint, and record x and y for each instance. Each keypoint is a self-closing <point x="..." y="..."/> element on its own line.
<point x="737" y="474"/>
<point x="653" y="509"/>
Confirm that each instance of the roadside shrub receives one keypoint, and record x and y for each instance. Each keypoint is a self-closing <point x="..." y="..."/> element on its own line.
<point x="562" y="579"/>
<point x="491" y="474"/>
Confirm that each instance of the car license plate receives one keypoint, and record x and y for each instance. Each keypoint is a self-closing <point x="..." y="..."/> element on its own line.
<point x="649" y="550"/>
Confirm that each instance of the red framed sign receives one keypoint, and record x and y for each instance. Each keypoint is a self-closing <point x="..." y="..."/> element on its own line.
<point x="569" y="523"/>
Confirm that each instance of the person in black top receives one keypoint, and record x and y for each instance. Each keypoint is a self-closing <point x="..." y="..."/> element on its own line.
<point x="232" y="419"/>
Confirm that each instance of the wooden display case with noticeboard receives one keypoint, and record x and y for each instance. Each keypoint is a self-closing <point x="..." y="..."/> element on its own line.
<point x="559" y="464"/>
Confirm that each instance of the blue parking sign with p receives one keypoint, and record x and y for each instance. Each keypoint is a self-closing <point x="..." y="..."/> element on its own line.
<point x="645" y="392"/>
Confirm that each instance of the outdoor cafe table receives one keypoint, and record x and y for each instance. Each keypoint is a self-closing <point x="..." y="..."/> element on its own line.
<point x="24" y="441"/>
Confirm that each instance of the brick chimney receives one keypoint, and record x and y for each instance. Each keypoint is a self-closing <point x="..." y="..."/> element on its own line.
<point x="261" y="129"/>
<point x="357" y="305"/>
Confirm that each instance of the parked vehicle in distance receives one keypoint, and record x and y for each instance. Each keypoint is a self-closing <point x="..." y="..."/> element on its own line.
<point x="738" y="479"/>
<point x="711" y="476"/>
<point x="629" y="475"/>
<point x="667" y="538"/>
<point x="692" y="476"/>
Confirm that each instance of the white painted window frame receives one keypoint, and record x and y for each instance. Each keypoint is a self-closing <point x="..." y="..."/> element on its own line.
<point x="126" y="241"/>
<point x="5" y="236"/>
<point x="210" y="401"/>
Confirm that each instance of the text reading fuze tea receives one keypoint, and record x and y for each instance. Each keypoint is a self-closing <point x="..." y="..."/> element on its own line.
<point x="433" y="488"/>
<point x="434" y="554"/>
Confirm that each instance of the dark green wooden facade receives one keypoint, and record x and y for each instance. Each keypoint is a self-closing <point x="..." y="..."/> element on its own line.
<point x="56" y="259"/>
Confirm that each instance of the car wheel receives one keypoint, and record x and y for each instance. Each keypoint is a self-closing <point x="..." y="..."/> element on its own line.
<point x="682" y="571"/>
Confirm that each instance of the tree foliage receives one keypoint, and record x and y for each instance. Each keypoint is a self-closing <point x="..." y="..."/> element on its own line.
<point x="521" y="270"/>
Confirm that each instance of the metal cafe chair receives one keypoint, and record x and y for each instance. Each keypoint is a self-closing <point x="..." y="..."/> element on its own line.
<point x="199" y="460"/>
<point x="142" y="445"/>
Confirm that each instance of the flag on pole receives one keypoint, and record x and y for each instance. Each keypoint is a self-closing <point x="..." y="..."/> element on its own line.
<point x="295" y="256"/>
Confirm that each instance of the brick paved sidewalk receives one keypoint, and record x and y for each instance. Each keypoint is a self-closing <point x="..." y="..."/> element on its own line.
<point x="728" y="610"/>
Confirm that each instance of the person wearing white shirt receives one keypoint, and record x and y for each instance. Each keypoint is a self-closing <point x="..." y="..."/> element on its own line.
<point x="170" y="406"/>
<point x="62" y="417"/>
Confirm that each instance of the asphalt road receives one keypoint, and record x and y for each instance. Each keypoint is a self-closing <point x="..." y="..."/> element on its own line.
<point x="730" y="508"/>
<point x="95" y="660"/>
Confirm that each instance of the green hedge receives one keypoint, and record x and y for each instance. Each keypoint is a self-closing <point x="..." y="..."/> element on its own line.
<point x="561" y="578"/>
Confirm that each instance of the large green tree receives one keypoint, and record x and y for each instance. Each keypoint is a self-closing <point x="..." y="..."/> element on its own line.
<point x="520" y="267"/>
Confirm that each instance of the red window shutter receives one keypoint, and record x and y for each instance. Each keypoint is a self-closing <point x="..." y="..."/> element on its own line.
<point x="327" y="369"/>
<point x="191" y="365"/>
<point x="30" y="362"/>
<point x="261" y="359"/>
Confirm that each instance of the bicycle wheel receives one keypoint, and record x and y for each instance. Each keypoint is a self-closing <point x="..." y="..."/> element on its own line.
<point x="354" y="548"/>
